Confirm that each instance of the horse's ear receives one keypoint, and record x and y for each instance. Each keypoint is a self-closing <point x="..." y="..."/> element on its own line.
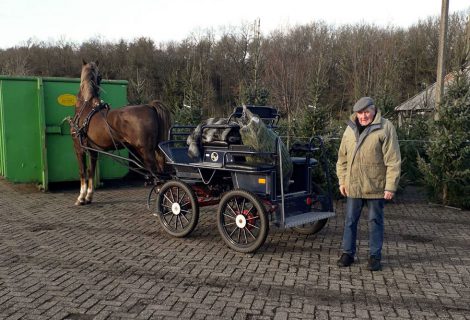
<point x="97" y="62"/>
<point x="84" y="62"/>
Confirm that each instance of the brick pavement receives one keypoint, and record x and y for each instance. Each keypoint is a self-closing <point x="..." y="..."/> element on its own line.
<point x="111" y="260"/>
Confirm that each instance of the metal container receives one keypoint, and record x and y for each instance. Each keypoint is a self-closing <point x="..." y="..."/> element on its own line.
<point x="35" y="141"/>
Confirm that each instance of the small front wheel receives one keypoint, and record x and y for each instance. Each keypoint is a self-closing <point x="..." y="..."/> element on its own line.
<point x="242" y="221"/>
<point x="177" y="208"/>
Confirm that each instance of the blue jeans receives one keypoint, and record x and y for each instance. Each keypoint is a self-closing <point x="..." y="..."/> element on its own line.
<point x="376" y="225"/>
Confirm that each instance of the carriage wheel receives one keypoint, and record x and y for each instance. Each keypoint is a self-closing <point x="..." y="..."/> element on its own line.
<point x="314" y="227"/>
<point x="242" y="221"/>
<point x="177" y="208"/>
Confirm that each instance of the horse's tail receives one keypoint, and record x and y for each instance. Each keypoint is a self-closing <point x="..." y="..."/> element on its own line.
<point x="163" y="126"/>
<point x="164" y="119"/>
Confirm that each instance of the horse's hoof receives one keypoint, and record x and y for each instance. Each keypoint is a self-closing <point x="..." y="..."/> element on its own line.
<point x="87" y="201"/>
<point x="80" y="203"/>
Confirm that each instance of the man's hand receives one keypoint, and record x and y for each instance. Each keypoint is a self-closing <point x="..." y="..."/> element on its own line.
<point x="388" y="195"/>
<point x="342" y="189"/>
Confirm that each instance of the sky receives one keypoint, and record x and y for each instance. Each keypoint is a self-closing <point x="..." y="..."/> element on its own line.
<point x="174" y="20"/>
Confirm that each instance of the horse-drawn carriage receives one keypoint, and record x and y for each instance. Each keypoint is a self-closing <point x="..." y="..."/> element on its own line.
<point x="248" y="186"/>
<point x="249" y="195"/>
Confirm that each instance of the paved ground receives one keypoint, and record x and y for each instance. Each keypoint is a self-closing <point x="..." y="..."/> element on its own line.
<point x="111" y="260"/>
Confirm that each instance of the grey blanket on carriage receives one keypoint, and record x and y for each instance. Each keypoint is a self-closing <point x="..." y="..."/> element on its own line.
<point x="200" y="136"/>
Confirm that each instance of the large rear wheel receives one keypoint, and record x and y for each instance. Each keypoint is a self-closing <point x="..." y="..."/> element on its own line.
<point x="242" y="221"/>
<point x="177" y="208"/>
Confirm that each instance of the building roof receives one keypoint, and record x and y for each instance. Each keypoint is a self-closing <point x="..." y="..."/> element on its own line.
<point x="422" y="101"/>
<point x="425" y="100"/>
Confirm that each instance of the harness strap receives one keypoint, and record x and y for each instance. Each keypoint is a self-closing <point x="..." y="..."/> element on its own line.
<point x="81" y="131"/>
<point x="98" y="107"/>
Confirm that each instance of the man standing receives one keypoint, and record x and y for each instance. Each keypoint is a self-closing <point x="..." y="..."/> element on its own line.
<point x="368" y="170"/>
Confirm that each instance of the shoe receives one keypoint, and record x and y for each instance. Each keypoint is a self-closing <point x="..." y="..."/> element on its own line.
<point x="345" y="261"/>
<point x="374" y="264"/>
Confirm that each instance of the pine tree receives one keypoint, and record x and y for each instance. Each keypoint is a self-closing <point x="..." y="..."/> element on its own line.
<point x="447" y="172"/>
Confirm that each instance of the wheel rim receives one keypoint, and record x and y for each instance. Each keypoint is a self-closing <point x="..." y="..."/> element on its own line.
<point x="240" y="221"/>
<point x="176" y="209"/>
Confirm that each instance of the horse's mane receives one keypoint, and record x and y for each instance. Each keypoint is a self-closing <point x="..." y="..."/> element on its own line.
<point x="89" y="81"/>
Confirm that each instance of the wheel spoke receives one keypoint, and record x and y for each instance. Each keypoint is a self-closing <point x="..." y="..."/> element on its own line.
<point x="244" y="234"/>
<point x="243" y="206"/>
<point x="238" y="206"/>
<point x="252" y="225"/>
<point x="229" y="224"/>
<point x="239" y="234"/>
<point x="181" y="222"/>
<point x="233" y="211"/>
<point x="187" y="211"/>
<point x="230" y="216"/>
<point x="182" y="205"/>
<point x="172" y="195"/>
<point x="182" y="197"/>
<point x="168" y="199"/>
<point x="169" y="221"/>
<point x="185" y="218"/>
<point x="233" y="231"/>
<point x="251" y="234"/>
<point x="167" y="213"/>
<point x="176" y="223"/>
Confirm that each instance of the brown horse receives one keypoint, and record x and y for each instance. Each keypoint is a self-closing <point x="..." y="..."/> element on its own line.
<point x="94" y="125"/>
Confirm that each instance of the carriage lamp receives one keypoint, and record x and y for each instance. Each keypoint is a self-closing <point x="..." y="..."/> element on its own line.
<point x="261" y="180"/>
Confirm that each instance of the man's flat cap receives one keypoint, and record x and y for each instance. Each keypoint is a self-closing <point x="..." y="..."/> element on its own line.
<point x="363" y="103"/>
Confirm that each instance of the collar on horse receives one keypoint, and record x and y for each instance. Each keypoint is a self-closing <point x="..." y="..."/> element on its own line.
<point x="81" y="131"/>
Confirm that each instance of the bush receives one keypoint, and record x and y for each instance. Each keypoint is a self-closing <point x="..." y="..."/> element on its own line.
<point x="413" y="136"/>
<point x="188" y="116"/>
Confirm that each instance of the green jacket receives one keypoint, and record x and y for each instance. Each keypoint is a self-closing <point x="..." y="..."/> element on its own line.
<point x="368" y="164"/>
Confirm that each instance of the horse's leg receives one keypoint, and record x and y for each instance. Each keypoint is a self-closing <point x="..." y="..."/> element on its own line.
<point x="91" y="177"/>
<point x="82" y="172"/>
<point x="149" y="161"/>
<point x="160" y="159"/>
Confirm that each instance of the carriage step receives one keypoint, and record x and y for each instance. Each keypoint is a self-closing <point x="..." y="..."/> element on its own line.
<point x="295" y="220"/>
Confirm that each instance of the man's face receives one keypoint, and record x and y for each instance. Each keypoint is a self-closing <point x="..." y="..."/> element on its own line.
<point x="366" y="116"/>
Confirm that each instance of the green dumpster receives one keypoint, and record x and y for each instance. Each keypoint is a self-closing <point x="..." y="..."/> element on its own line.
<point x="35" y="141"/>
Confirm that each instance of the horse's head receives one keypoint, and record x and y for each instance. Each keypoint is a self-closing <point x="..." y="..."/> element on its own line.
<point x="90" y="80"/>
